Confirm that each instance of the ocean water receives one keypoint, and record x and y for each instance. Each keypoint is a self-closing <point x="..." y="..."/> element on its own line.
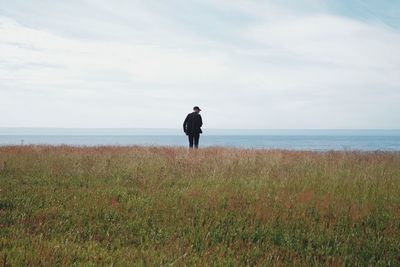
<point x="318" y="140"/>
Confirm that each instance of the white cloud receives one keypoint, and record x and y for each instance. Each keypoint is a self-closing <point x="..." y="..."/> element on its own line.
<point x="331" y="39"/>
<point x="22" y="46"/>
<point x="276" y="67"/>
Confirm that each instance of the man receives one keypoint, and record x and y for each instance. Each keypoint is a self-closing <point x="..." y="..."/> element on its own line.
<point x="192" y="127"/>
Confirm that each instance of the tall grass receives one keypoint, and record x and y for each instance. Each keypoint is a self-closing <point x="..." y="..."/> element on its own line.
<point x="216" y="206"/>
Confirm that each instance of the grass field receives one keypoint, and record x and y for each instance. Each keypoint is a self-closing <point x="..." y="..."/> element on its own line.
<point x="169" y="206"/>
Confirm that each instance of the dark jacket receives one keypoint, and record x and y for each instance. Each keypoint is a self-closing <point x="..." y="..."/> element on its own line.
<point x="192" y="123"/>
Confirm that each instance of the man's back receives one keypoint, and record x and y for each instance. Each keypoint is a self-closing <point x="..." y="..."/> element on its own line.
<point x="193" y="123"/>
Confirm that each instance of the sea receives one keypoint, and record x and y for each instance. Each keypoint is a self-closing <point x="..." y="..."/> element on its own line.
<point x="312" y="140"/>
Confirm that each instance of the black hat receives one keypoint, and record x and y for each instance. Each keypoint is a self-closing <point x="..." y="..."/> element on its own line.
<point x="196" y="107"/>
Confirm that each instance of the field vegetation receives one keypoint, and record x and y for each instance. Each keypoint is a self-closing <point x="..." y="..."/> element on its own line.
<point x="152" y="206"/>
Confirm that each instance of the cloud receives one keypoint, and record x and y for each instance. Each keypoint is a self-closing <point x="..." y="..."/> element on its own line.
<point x="250" y="64"/>
<point x="22" y="46"/>
<point x="332" y="39"/>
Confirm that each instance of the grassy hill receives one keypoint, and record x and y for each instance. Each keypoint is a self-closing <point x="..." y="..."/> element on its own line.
<point x="170" y="206"/>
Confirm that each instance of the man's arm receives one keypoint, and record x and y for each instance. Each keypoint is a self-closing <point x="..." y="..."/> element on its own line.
<point x="185" y="124"/>
<point x="201" y="121"/>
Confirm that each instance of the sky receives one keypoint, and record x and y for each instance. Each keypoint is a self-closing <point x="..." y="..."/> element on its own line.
<point x="249" y="64"/>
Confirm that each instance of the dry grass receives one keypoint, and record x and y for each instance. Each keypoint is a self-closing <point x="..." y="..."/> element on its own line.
<point x="216" y="206"/>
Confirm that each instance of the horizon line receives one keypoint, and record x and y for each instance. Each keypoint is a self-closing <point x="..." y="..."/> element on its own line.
<point x="228" y="129"/>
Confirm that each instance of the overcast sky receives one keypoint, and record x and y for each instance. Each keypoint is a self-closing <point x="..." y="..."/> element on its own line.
<point x="248" y="64"/>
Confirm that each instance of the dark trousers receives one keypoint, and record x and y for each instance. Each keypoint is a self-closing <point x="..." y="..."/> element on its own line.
<point x="194" y="138"/>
